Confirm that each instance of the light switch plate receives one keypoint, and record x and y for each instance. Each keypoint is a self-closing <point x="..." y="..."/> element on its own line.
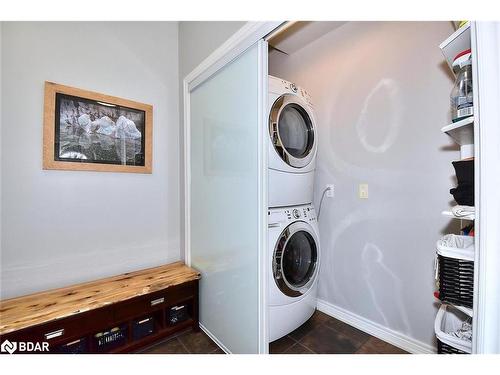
<point x="363" y="191"/>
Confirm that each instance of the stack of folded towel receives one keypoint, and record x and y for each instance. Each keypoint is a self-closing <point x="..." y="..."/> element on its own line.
<point x="466" y="212"/>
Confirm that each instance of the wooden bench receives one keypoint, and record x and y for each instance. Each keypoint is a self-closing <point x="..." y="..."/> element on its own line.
<point x="113" y="315"/>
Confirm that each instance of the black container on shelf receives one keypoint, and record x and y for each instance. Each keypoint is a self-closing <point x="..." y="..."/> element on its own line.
<point x="177" y="314"/>
<point x="444" y="348"/>
<point x="142" y="327"/>
<point x="464" y="192"/>
<point x="110" y="339"/>
<point x="456" y="281"/>
<point x="79" y="346"/>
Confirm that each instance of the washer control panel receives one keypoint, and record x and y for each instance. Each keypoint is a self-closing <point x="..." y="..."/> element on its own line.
<point x="287" y="215"/>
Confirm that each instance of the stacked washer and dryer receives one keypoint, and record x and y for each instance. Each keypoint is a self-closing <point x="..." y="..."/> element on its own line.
<point x="294" y="252"/>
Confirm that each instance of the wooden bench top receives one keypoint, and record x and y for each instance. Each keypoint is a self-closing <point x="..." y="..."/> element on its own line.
<point x="22" y="312"/>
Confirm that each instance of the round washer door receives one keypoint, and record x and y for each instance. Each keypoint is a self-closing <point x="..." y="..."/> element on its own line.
<point x="295" y="259"/>
<point x="291" y="130"/>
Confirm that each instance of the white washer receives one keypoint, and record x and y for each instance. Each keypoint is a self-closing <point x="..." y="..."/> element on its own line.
<point x="293" y="261"/>
<point x="292" y="144"/>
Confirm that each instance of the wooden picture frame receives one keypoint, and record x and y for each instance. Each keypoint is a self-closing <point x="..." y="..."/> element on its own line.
<point x="89" y="131"/>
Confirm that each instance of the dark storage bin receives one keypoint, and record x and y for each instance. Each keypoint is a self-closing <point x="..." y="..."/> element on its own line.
<point x="456" y="269"/>
<point x="142" y="327"/>
<point x="464" y="192"/>
<point x="448" y="349"/>
<point x="177" y="314"/>
<point x="456" y="281"/>
<point x="74" y="347"/>
<point x="111" y="339"/>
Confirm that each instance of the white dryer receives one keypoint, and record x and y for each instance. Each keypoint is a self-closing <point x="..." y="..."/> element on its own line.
<point x="293" y="261"/>
<point x="292" y="144"/>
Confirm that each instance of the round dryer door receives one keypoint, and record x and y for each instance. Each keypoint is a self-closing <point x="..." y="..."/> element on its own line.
<point x="295" y="260"/>
<point x="291" y="130"/>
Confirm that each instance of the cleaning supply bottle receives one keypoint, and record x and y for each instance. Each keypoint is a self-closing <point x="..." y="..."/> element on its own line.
<point x="461" y="96"/>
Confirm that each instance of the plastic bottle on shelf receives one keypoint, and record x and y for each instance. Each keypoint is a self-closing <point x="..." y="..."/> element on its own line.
<point x="462" y="105"/>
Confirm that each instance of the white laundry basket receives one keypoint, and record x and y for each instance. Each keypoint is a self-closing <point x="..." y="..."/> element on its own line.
<point x="448" y="320"/>
<point x="465" y="252"/>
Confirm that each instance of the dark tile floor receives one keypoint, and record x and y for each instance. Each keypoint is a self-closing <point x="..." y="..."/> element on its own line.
<point x="187" y="342"/>
<point x="321" y="334"/>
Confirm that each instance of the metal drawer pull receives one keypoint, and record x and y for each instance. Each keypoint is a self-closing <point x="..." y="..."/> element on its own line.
<point x="157" y="301"/>
<point x="54" y="334"/>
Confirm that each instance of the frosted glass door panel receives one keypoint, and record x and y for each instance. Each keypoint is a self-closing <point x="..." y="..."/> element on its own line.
<point x="224" y="207"/>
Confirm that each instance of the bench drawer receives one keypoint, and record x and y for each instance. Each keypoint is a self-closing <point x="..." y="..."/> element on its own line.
<point x="154" y="301"/>
<point x="65" y="329"/>
<point x="139" y="306"/>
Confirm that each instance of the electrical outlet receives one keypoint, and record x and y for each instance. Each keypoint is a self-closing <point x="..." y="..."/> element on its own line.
<point x="363" y="191"/>
<point x="330" y="193"/>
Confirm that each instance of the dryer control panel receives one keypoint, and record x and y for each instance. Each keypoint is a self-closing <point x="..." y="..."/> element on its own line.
<point x="278" y="85"/>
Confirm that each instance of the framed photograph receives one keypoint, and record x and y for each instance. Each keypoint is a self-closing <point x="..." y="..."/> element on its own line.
<point x="85" y="130"/>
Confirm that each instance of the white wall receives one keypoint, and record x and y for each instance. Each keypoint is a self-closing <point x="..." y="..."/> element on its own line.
<point x="63" y="227"/>
<point x="381" y="95"/>
<point x="1" y="28"/>
<point x="197" y="40"/>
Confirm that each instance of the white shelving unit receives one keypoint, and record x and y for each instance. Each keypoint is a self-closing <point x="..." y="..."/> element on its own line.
<point x="462" y="132"/>
<point x="456" y="43"/>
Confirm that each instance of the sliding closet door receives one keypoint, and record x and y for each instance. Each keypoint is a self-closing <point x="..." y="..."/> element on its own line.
<point x="227" y="199"/>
